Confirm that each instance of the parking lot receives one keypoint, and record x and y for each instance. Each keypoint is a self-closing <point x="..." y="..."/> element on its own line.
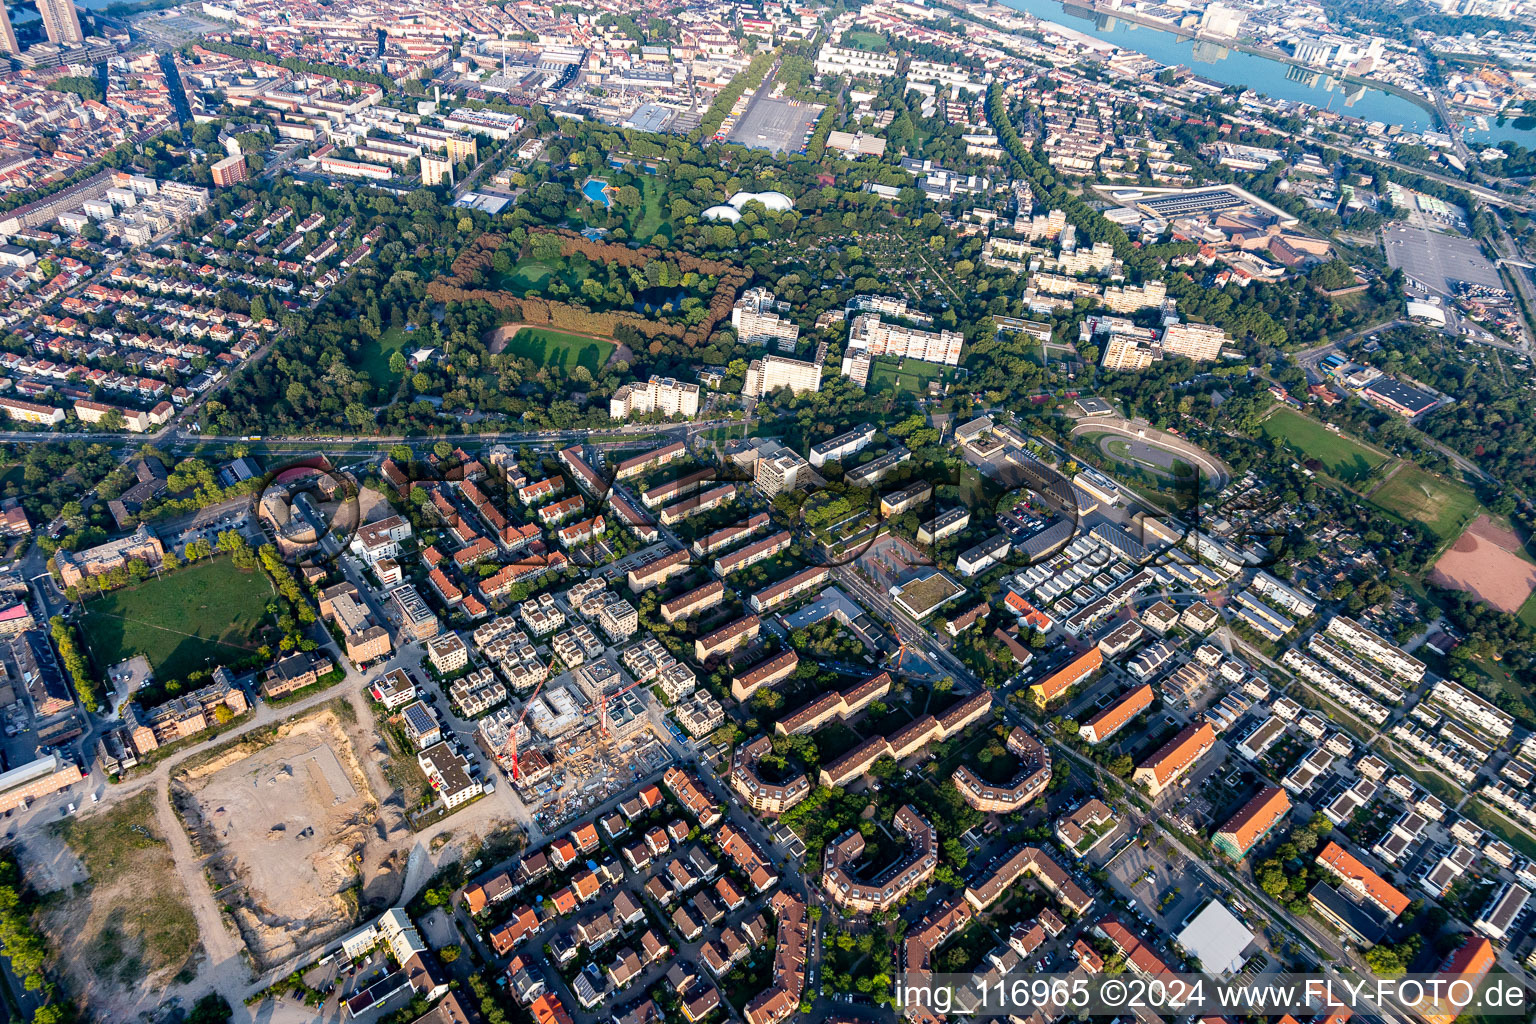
<point x="1438" y="261"/>
<point x="1150" y="874"/>
<point x="779" y="126"/>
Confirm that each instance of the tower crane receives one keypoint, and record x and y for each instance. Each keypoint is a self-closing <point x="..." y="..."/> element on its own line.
<point x="512" y="732"/>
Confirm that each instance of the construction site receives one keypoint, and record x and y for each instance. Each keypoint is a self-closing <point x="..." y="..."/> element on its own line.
<point x="578" y="738"/>
<point x="295" y="833"/>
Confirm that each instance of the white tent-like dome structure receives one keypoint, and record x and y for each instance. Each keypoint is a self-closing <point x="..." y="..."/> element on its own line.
<point x="776" y="202"/>
<point x="729" y="213"/>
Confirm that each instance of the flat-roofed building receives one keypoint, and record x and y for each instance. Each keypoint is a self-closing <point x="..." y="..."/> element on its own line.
<point x="768" y="374"/>
<point x="417" y="620"/>
<point x="840" y="447"/>
<point x="662" y="395"/>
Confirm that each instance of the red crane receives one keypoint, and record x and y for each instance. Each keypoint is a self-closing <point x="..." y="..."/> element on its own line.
<point x="512" y="732"/>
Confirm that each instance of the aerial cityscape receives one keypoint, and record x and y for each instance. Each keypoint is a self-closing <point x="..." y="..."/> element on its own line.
<point x="740" y="513"/>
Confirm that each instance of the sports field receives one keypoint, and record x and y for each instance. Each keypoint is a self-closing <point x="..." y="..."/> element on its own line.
<point x="181" y="621"/>
<point x="1342" y="457"/>
<point x="1444" y="506"/>
<point x="556" y="348"/>
<point x="913" y="375"/>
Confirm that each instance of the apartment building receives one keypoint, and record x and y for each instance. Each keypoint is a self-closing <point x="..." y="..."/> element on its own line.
<point x="417" y="620"/>
<point x="723" y="538"/>
<point x="893" y="883"/>
<point x="770" y="373"/>
<point x="1358" y="901"/>
<point x="32" y="412"/>
<point x="1377" y="648"/>
<point x="663" y="395"/>
<point x="1472" y="708"/>
<point x="749" y="779"/>
<point x="1170" y="762"/>
<point x="872" y="337"/>
<point x="694" y="602"/>
<point x="727" y="638"/>
<point x="294" y="672"/>
<point x="787" y="590"/>
<point x="764" y="673"/>
<point x="1200" y="342"/>
<point x="1066" y="677"/>
<point x="843" y="705"/>
<point x="1255" y="820"/>
<point x="701" y="714"/>
<point x="757" y="324"/>
<point x="448" y="772"/>
<point x="839" y="60"/>
<point x="779" y="473"/>
<point x="840" y="447"/>
<point x="655" y="573"/>
<point x="186" y="715"/>
<point x="1126" y="352"/>
<point x="141" y="545"/>
<point x="1027" y="784"/>
<point x="1117" y="715"/>
<point x="650" y="460"/>
<point x="377" y="541"/>
<point x="752" y="554"/>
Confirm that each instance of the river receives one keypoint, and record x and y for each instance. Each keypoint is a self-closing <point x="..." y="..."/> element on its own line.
<point x="1223" y="64"/>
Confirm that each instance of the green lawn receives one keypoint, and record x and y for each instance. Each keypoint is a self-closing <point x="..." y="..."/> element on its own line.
<point x="528" y="274"/>
<point x="874" y="42"/>
<point x="913" y="375"/>
<point x="1528" y="611"/>
<point x="1445" y="506"/>
<point x="649" y="218"/>
<point x="1493" y="818"/>
<point x="374" y="358"/>
<point x="182" y="621"/>
<point x="1342" y="457"/>
<point x="556" y="348"/>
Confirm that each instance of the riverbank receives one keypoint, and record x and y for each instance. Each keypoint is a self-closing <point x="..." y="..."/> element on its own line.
<point x="1235" y="62"/>
<point x="1253" y="47"/>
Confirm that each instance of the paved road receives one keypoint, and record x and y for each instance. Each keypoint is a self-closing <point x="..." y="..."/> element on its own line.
<point x="173" y="432"/>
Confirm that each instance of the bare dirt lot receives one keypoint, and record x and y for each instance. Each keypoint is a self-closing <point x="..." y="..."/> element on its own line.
<point x="129" y="927"/>
<point x="296" y="828"/>
<point x="1485" y="561"/>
